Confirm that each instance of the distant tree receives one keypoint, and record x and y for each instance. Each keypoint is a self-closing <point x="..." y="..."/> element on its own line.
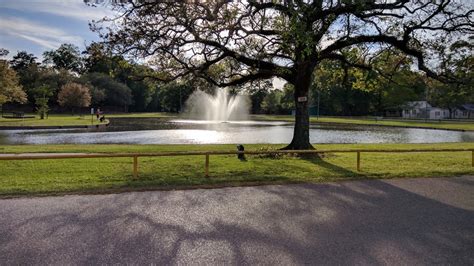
<point x="130" y="75"/>
<point x="28" y="71"/>
<point x="279" y="101"/>
<point x="387" y="84"/>
<point x="74" y="95"/>
<point x="97" y="59"/>
<point x="155" y="103"/>
<point x="391" y="82"/>
<point x="22" y="60"/>
<point x="29" y="79"/>
<point x="54" y="80"/>
<point x="116" y="93"/>
<point x="42" y="95"/>
<point x="67" y="56"/>
<point x="3" y="52"/>
<point x="35" y="76"/>
<point x="271" y="102"/>
<point x="334" y="82"/>
<point x="330" y="81"/>
<point x="287" y="104"/>
<point x="10" y="89"/>
<point x="98" y="95"/>
<point x="458" y="63"/>
<point x="257" y="91"/>
<point x="174" y="95"/>
<point x="42" y="107"/>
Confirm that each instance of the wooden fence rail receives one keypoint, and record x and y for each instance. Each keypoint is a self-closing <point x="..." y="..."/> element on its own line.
<point x="207" y="154"/>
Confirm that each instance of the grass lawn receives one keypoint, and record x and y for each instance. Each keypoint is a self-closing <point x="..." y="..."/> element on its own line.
<point x="368" y="121"/>
<point x="115" y="174"/>
<point x="76" y="120"/>
<point x="143" y="115"/>
<point x="53" y="120"/>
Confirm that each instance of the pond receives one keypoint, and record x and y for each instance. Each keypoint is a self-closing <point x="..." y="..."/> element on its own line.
<point x="165" y="131"/>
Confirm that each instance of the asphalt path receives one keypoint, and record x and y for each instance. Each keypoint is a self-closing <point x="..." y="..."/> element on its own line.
<point x="399" y="221"/>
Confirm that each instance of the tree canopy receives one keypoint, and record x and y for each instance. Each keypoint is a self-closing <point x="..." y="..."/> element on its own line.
<point x="22" y="60"/>
<point x="458" y="62"/>
<point x="114" y="93"/>
<point x="286" y="39"/>
<point x="10" y="89"/>
<point x="67" y="56"/>
<point x="74" y="95"/>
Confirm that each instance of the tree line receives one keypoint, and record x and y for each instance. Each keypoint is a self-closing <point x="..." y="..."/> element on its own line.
<point x="70" y="78"/>
<point x="73" y="79"/>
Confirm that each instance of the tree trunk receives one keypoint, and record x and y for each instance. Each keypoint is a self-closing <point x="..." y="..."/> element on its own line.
<point x="300" y="139"/>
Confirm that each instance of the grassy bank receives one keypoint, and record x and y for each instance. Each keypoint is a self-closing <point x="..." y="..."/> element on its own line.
<point x="69" y="120"/>
<point x="73" y="120"/>
<point x="143" y="115"/>
<point x="52" y="120"/>
<point x="114" y="174"/>
<point x="368" y="121"/>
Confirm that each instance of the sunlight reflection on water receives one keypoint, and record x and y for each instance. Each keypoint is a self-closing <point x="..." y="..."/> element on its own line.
<point x="204" y="132"/>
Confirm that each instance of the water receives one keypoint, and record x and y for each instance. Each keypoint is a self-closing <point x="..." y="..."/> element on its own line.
<point x="163" y="131"/>
<point x="219" y="107"/>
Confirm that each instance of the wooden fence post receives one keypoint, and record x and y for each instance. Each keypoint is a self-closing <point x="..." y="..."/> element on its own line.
<point x="207" y="165"/>
<point x="358" y="161"/>
<point x="135" y="166"/>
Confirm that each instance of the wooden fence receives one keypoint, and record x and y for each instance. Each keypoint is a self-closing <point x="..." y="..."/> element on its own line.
<point x="207" y="154"/>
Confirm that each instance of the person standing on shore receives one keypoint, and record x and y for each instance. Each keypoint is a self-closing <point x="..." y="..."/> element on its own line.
<point x="97" y="113"/>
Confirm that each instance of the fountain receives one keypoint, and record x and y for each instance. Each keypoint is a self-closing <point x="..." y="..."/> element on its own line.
<point x="220" y="107"/>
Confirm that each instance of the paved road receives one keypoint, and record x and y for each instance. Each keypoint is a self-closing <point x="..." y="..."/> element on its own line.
<point x="403" y="221"/>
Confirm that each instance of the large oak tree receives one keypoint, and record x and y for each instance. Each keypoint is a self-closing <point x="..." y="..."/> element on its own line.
<point x="287" y="39"/>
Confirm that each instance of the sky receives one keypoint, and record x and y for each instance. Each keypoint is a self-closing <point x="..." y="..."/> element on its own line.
<point x="37" y="26"/>
<point x="41" y="25"/>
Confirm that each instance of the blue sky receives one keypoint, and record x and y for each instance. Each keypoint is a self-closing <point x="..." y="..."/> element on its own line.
<point x="40" y="25"/>
<point x="36" y="26"/>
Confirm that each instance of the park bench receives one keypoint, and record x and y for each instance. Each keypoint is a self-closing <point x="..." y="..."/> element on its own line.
<point x="18" y="115"/>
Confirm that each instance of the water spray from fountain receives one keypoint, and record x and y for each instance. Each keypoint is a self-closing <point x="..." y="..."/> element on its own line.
<point x="220" y="107"/>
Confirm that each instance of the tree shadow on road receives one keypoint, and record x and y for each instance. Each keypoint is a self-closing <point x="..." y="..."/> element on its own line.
<point x="366" y="222"/>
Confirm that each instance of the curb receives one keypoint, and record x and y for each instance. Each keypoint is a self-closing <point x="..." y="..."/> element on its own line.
<point x="375" y="125"/>
<point x="54" y="127"/>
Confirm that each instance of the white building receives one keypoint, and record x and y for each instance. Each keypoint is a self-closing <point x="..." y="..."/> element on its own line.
<point x="423" y="110"/>
<point x="465" y="111"/>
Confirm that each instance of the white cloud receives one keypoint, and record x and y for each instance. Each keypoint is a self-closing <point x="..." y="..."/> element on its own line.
<point x="42" y="35"/>
<point x="41" y="42"/>
<point x="75" y="9"/>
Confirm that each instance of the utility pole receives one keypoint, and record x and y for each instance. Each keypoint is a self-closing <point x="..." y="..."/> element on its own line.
<point x="426" y="104"/>
<point x="180" y="105"/>
<point x="319" y="93"/>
